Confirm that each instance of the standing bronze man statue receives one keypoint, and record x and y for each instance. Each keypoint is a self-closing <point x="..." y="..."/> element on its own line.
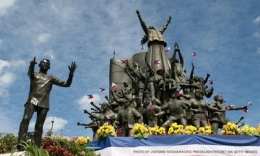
<point x="38" y="99"/>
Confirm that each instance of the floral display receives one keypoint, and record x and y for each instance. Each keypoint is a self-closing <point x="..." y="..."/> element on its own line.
<point x="205" y="130"/>
<point x="140" y="131"/>
<point x="247" y="130"/>
<point x="175" y="129"/>
<point x="156" y="130"/>
<point x="230" y="129"/>
<point x="106" y="130"/>
<point x="190" y="130"/>
<point x="83" y="140"/>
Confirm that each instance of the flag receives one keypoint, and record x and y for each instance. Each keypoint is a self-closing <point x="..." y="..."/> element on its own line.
<point x="156" y="62"/>
<point x="90" y="96"/>
<point x="245" y="109"/>
<point x="102" y="89"/>
<point x="211" y="81"/>
<point x="229" y="107"/>
<point x="178" y="93"/>
<point x="150" y="106"/>
<point x="193" y="54"/>
<point x="123" y="61"/>
<point x="250" y="103"/>
<point x="168" y="49"/>
<point x="113" y="85"/>
<point x="106" y="117"/>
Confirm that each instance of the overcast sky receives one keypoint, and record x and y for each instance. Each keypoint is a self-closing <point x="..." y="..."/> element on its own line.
<point x="225" y="35"/>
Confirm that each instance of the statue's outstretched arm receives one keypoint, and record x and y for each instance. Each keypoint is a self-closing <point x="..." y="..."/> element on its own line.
<point x="191" y="74"/>
<point x="31" y="68"/>
<point x="142" y="22"/>
<point x="206" y="79"/>
<point x="165" y="25"/>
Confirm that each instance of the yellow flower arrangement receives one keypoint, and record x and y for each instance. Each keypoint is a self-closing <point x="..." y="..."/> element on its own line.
<point x="205" y="130"/>
<point x="230" y="129"/>
<point x="247" y="130"/>
<point x="106" y="130"/>
<point x="175" y="129"/>
<point x="190" y="130"/>
<point x="156" y="130"/>
<point x="140" y="131"/>
<point x="82" y="140"/>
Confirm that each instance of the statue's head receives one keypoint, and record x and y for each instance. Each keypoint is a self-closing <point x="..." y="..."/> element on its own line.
<point x="151" y="27"/>
<point x="45" y="64"/>
<point x="198" y="93"/>
<point x="219" y="98"/>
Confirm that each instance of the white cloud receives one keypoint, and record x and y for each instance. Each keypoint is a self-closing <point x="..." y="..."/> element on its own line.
<point x="7" y="74"/>
<point x="43" y="38"/>
<point x="257" y="20"/>
<point x="50" y="54"/>
<point x="258" y="50"/>
<point x="3" y="64"/>
<point x="257" y="34"/>
<point x="4" y="5"/>
<point x="84" y="102"/>
<point x="6" y="79"/>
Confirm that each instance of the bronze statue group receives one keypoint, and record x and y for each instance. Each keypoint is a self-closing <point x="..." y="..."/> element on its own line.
<point x="159" y="93"/>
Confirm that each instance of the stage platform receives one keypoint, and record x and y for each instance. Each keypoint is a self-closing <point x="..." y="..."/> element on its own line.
<point x="180" y="145"/>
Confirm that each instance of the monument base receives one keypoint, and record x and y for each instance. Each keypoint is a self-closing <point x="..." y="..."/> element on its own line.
<point x="180" y="145"/>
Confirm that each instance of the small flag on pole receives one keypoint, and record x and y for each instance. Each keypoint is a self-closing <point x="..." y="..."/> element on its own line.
<point x="150" y="106"/>
<point x="113" y="85"/>
<point x="90" y="96"/>
<point x="193" y="54"/>
<point x="178" y="93"/>
<point x="245" y="109"/>
<point x="168" y="49"/>
<point x="229" y="107"/>
<point x="102" y="89"/>
<point x="106" y="117"/>
<point x="156" y="62"/>
<point x="211" y="81"/>
<point x="123" y="61"/>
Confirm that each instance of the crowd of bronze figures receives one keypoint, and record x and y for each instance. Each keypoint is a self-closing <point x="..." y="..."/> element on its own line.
<point x="157" y="91"/>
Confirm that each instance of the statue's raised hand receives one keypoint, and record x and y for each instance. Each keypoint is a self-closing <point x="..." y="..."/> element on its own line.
<point x="33" y="62"/>
<point x="72" y="67"/>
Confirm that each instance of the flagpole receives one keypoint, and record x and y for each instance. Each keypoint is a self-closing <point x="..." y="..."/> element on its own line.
<point x="114" y="54"/>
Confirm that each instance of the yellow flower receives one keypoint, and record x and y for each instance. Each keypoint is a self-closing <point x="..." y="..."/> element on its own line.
<point x="140" y="131"/>
<point x="106" y="130"/>
<point x="230" y="129"/>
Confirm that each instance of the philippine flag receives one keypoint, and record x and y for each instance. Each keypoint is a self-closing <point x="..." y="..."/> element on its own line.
<point x="102" y="89"/>
<point x="156" y="62"/>
<point x="123" y="61"/>
<point x="230" y="107"/>
<point x="90" y="96"/>
<point x="178" y="93"/>
<point x="113" y="85"/>
<point x="245" y="109"/>
<point x="150" y="106"/>
<point x="211" y="81"/>
<point x="168" y="49"/>
<point x="193" y="54"/>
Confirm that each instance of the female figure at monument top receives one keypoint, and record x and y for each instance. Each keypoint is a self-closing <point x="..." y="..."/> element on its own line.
<point x="156" y="56"/>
